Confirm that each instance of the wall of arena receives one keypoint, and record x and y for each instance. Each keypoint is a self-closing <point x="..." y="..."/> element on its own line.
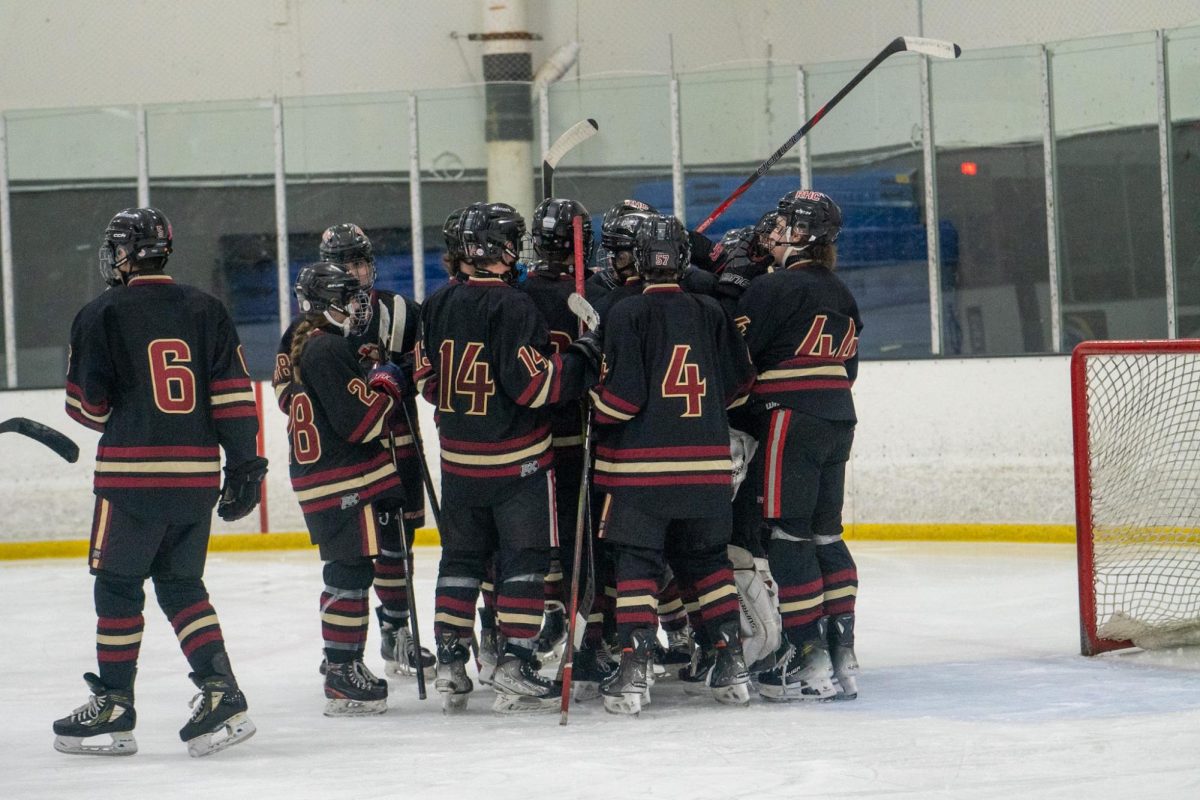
<point x="945" y="449"/>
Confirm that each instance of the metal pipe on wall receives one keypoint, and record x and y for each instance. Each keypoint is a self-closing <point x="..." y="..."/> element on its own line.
<point x="6" y="264"/>
<point x="1049" y="158"/>
<point x="1165" y="180"/>
<point x="414" y="201"/>
<point x="143" y="159"/>
<point x="932" y="239"/>
<point x="281" y="230"/>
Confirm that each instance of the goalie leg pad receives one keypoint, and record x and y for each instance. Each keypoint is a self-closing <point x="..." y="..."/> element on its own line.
<point x="758" y="598"/>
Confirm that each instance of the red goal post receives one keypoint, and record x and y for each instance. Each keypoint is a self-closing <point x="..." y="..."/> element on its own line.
<point x="1136" y="428"/>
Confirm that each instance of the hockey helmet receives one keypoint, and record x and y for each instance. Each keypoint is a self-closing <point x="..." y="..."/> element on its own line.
<point x="661" y="249"/>
<point x="491" y="231"/>
<point x="553" y="230"/>
<point x="620" y="223"/>
<point x="810" y="217"/>
<point x="453" y="235"/>
<point x="345" y="243"/>
<point x="139" y="236"/>
<point x="326" y="287"/>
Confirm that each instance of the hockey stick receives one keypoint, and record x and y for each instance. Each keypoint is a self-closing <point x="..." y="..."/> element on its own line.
<point x="44" y="434"/>
<point x="575" y="135"/>
<point x="913" y="44"/>
<point x="408" y="584"/>
<point x="583" y="526"/>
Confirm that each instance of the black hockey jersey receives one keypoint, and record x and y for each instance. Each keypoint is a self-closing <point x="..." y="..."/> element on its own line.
<point x="673" y="364"/>
<point x="334" y="423"/>
<point x="604" y="288"/>
<point x="156" y="366"/>
<point x="486" y="364"/>
<point x="802" y="327"/>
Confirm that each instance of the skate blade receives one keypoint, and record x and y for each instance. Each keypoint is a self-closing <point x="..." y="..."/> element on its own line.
<point x="695" y="688"/>
<point x="847" y="689"/>
<point x="402" y="669"/>
<point x="807" y="694"/>
<point x="486" y="675"/>
<point x="584" y="691"/>
<point x="236" y="729"/>
<point x="454" y="703"/>
<point x="341" y="707"/>
<point x="525" y="704"/>
<point x="629" y="705"/>
<point x="123" y="744"/>
<point x="737" y="694"/>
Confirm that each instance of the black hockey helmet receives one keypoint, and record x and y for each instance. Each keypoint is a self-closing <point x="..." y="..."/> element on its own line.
<point x="452" y="233"/>
<point x="811" y="217"/>
<point x="620" y="224"/>
<point x="490" y="231"/>
<point x="325" y="286"/>
<point x="345" y="243"/>
<point x="661" y="249"/>
<point x="553" y="230"/>
<point x="144" y="237"/>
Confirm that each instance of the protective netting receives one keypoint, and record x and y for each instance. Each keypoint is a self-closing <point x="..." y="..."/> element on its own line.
<point x="1144" y="456"/>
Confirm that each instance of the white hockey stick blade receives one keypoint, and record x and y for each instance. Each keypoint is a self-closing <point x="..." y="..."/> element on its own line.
<point x="574" y="136"/>
<point x="936" y="48"/>
<point x="582" y="309"/>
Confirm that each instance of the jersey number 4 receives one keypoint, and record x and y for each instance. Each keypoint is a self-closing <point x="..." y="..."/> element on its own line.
<point x="683" y="380"/>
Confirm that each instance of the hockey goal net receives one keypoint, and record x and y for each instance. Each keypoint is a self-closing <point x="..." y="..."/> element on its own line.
<point x="1136" y="420"/>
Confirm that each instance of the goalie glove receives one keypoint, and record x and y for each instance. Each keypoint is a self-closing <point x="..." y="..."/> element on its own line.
<point x="242" y="489"/>
<point x="758" y="597"/>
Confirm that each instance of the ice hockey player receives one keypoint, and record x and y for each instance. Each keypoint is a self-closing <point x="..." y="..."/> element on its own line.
<point x="549" y="283"/>
<point x="156" y="367"/>
<point x="389" y="334"/>
<point x="802" y="325"/>
<point x="452" y="260"/>
<point x="617" y="277"/>
<point x="343" y="479"/>
<point x="486" y="363"/>
<point x="673" y="364"/>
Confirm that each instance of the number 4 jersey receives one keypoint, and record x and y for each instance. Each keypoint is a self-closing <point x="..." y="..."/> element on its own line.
<point x="157" y="368"/>
<point x="673" y="364"/>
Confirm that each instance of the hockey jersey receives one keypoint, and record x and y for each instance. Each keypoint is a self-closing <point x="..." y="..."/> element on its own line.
<point x="802" y="327"/>
<point x="334" y="423"/>
<point x="486" y="364"/>
<point x="157" y="368"/>
<point x="673" y="365"/>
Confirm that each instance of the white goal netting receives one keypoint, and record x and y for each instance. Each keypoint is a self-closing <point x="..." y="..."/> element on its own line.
<point x="1143" y="456"/>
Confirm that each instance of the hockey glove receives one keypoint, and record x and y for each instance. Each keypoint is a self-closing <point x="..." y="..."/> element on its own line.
<point x="242" y="489"/>
<point x="391" y="380"/>
<point x="739" y="271"/>
<point x="589" y="347"/>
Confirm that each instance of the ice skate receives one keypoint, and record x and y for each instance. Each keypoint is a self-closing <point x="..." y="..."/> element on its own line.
<point x="353" y="691"/>
<point x="489" y="649"/>
<point x="553" y="635"/>
<point x="218" y="716"/>
<point x="804" y="672"/>
<point x="677" y="653"/>
<point x="841" y="653"/>
<point x="625" y="691"/>
<point x="107" y="711"/>
<point x="399" y="654"/>
<point x="729" y="679"/>
<point x="520" y="689"/>
<point x="590" y="668"/>
<point x="452" y="681"/>
<point x="694" y="676"/>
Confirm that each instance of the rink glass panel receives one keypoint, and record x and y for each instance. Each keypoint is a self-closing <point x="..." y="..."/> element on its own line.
<point x="1109" y="189"/>
<point x="69" y="172"/>
<point x="1183" y="65"/>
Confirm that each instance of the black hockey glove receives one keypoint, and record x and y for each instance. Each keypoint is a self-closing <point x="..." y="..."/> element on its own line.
<point x="242" y="489"/>
<point x="739" y="271"/>
<point x="589" y="347"/>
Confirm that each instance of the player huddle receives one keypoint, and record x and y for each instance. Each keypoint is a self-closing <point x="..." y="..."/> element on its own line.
<point x="692" y="446"/>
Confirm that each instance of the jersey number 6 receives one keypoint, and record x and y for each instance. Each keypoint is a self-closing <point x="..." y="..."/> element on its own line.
<point x="174" y="384"/>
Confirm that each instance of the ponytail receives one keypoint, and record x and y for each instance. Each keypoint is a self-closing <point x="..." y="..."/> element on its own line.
<point x="299" y="339"/>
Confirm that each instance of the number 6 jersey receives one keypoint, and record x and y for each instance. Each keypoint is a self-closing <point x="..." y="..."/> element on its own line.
<point x="157" y="368"/>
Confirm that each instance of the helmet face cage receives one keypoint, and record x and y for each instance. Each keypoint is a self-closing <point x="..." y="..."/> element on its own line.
<point x="553" y="230"/>
<point x="325" y="286"/>
<point x="143" y="234"/>
<point x="662" y="250"/>
<point x="491" y="231"/>
<point x="346" y="243"/>
<point x="810" y="218"/>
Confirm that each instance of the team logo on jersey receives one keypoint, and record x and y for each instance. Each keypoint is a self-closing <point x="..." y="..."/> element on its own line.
<point x="349" y="500"/>
<point x="528" y="468"/>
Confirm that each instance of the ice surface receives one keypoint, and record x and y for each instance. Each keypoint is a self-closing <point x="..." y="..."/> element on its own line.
<point x="971" y="687"/>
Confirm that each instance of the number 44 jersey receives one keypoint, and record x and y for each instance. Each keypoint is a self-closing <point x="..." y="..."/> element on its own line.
<point x="157" y="368"/>
<point x="674" y="363"/>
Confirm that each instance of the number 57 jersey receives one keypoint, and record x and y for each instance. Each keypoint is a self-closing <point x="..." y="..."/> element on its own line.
<point x="157" y="368"/>
<point x="674" y="363"/>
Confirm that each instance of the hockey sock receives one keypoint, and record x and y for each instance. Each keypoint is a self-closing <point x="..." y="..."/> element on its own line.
<point x="185" y="602"/>
<point x="839" y="576"/>
<point x="460" y="576"/>
<point x="672" y="615"/>
<point x="344" y="609"/>
<point x="520" y="599"/>
<point x="119" y="623"/>
<point x="553" y="584"/>
<point x="391" y="586"/>
<point x="637" y="573"/>
<point x="801" y="590"/>
<point x="714" y="589"/>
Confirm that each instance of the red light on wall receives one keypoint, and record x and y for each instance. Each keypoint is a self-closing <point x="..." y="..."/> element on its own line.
<point x="968" y="168"/>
